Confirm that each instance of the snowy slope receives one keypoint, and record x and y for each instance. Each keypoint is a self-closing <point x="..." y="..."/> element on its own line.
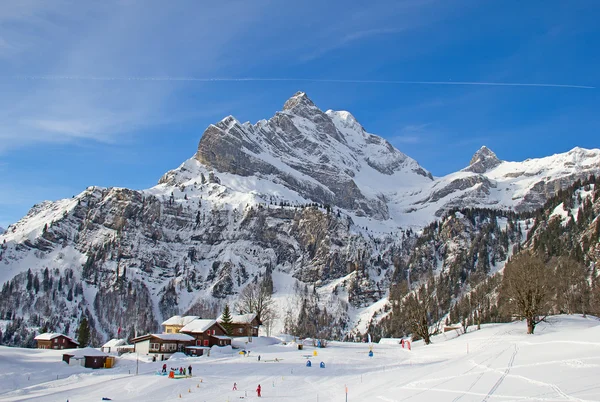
<point x="305" y="155"/>
<point x="499" y="362"/>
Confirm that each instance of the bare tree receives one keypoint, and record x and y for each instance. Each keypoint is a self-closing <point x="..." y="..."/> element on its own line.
<point x="525" y="288"/>
<point x="418" y="312"/>
<point x="257" y="299"/>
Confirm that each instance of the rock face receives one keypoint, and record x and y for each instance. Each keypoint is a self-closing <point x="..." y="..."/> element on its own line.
<point x="483" y="160"/>
<point x="318" y="155"/>
<point x="307" y="197"/>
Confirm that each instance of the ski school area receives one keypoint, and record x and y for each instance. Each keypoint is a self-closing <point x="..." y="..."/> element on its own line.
<point x="500" y="362"/>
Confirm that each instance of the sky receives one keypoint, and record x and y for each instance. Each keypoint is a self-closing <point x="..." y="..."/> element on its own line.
<point x="81" y="105"/>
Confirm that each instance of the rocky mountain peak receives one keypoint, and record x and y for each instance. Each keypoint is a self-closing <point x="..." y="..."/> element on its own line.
<point x="299" y="101"/>
<point x="483" y="160"/>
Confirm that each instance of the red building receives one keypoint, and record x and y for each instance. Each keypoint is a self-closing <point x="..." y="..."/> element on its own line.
<point x="51" y="340"/>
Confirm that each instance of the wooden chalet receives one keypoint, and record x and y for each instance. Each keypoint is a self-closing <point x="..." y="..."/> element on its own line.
<point x="175" y="323"/>
<point x="206" y="333"/>
<point x="243" y="325"/>
<point x="51" y="340"/>
<point x="162" y="345"/>
<point x="90" y="358"/>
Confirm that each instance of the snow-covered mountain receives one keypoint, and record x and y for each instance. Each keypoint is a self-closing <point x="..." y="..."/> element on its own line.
<point x="307" y="197"/>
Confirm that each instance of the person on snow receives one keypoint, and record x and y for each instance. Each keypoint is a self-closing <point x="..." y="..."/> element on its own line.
<point x="258" y="357"/>
<point x="184" y="371"/>
<point x="234" y="387"/>
<point x="190" y="370"/>
<point x="180" y="370"/>
<point x="164" y="370"/>
<point x="258" y="390"/>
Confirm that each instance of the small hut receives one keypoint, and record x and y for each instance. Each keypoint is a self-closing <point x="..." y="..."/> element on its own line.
<point x="89" y="357"/>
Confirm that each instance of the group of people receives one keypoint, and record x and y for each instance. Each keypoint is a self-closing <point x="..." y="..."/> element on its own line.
<point x="180" y="370"/>
<point x="258" y="389"/>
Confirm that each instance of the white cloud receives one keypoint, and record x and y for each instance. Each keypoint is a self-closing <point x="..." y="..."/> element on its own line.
<point x="116" y="38"/>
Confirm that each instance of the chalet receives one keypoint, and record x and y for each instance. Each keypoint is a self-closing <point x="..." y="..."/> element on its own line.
<point x="51" y="340"/>
<point x="114" y="346"/>
<point x="162" y="345"/>
<point x="243" y="325"/>
<point x="174" y="324"/>
<point x="90" y="358"/>
<point x="207" y="333"/>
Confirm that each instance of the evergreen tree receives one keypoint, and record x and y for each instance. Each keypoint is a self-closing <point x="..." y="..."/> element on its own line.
<point x="83" y="333"/>
<point x="226" y="320"/>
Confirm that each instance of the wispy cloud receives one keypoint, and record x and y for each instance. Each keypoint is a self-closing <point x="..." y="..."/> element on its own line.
<point x="112" y="38"/>
<point x="413" y="134"/>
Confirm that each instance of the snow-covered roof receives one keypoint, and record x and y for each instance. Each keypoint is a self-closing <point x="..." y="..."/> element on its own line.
<point x="222" y="337"/>
<point x="198" y="347"/>
<point x="85" y="352"/>
<point x="239" y="318"/>
<point x="114" y="343"/>
<point x="174" y="337"/>
<point x="164" y="337"/>
<point x="48" y="336"/>
<point x="198" y="326"/>
<point x="179" y="320"/>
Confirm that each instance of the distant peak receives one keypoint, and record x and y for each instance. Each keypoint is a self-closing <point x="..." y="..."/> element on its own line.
<point x="483" y="153"/>
<point x="483" y="160"/>
<point x="300" y="99"/>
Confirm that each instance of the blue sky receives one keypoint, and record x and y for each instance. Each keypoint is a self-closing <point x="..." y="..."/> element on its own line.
<point x="61" y="130"/>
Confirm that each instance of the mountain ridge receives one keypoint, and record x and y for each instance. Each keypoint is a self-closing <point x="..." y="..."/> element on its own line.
<point x="309" y="197"/>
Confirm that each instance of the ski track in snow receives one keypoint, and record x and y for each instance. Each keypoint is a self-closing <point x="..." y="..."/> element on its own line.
<point x="442" y="371"/>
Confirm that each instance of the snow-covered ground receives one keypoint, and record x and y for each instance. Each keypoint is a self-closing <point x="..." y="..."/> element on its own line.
<point x="499" y="362"/>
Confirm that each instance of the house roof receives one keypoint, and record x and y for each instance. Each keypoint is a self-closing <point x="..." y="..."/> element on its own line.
<point x="114" y="343"/>
<point x="164" y="337"/>
<point x="86" y="352"/>
<point x="239" y="318"/>
<point x="48" y="336"/>
<point x="198" y="326"/>
<point x="222" y="337"/>
<point x="179" y="320"/>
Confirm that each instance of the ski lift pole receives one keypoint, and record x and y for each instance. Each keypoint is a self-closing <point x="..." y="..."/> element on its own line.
<point x="346" y="387"/>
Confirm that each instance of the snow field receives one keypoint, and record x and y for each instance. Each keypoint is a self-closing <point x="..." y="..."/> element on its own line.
<point x="561" y="362"/>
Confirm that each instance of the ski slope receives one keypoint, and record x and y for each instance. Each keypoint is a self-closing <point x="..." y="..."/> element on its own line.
<point x="561" y="362"/>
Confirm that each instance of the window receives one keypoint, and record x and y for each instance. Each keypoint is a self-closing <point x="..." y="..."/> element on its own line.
<point x="169" y="330"/>
<point x="154" y="346"/>
<point x="241" y="330"/>
<point x="206" y="342"/>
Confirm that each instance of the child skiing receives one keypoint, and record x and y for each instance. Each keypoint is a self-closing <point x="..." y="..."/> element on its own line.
<point x="258" y="390"/>
<point x="234" y="387"/>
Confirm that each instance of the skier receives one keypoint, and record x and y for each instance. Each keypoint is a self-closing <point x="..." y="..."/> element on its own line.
<point x="184" y="371"/>
<point x="258" y="390"/>
<point x="258" y="357"/>
<point x="180" y="370"/>
<point x="164" y="370"/>
<point x="190" y="370"/>
<point x="402" y="343"/>
<point x="234" y="387"/>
